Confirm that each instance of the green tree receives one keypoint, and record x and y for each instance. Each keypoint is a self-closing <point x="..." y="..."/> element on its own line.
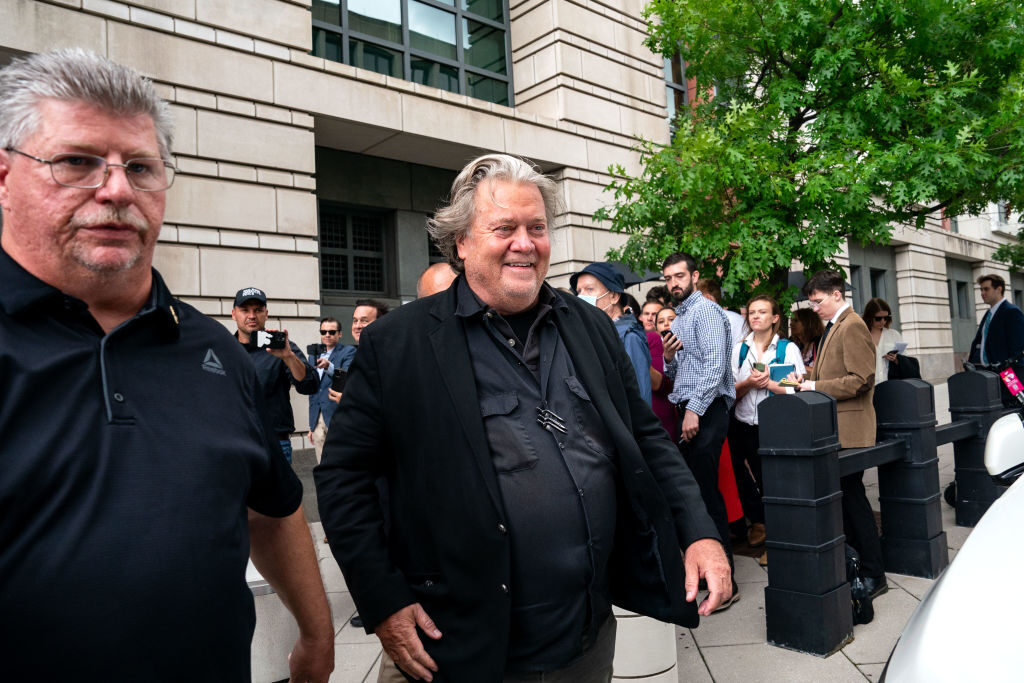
<point x="822" y="120"/>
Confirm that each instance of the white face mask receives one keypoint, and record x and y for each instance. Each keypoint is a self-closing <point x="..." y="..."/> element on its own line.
<point x="592" y="300"/>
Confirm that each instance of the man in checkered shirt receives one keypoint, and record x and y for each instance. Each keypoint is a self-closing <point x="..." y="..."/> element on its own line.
<point x="697" y="356"/>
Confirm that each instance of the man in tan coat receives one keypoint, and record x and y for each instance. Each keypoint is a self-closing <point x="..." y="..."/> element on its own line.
<point x="845" y="370"/>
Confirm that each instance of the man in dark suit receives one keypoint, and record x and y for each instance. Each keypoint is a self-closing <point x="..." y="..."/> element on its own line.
<point x="332" y="357"/>
<point x="530" y="484"/>
<point x="1001" y="332"/>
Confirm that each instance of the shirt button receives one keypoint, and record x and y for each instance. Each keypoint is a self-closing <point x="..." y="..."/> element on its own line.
<point x="118" y="397"/>
<point x="502" y="529"/>
<point x="503" y="588"/>
<point x="489" y="314"/>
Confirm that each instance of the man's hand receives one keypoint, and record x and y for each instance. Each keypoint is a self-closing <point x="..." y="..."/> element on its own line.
<point x="671" y="345"/>
<point x="284" y="353"/>
<point x="705" y="559"/>
<point x="891" y="356"/>
<point x="398" y="635"/>
<point x="311" y="661"/>
<point x="323" y="363"/>
<point x="691" y="425"/>
<point x="282" y="551"/>
<point x="796" y="378"/>
<point x="295" y="366"/>
<point x="333" y="395"/>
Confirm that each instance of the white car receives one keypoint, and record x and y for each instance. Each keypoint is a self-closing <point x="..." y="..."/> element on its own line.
<point x="968" y="626"/>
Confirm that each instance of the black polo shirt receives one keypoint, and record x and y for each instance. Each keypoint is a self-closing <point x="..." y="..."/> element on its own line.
<point x="127" y="461"/>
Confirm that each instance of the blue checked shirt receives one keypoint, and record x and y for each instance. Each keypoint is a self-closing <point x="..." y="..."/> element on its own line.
<point x="701" y="371"/>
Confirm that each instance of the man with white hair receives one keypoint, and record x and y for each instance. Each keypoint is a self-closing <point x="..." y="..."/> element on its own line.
<point x="138" y="470"/>
<point x="530" y="485"/>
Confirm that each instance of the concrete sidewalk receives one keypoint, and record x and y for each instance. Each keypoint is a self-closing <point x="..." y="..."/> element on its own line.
<point x="728" y="647"/>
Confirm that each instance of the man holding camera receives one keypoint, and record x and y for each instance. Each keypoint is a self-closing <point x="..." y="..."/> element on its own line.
<point x="278" y="362"/>
<point x="330" y="357"/>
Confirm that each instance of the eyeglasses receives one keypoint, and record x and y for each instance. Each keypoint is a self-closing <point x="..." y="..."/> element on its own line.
<point x="89" y="171"/>
<point x="330" y="332"/>
<point x="881" y="318"/>
<point x="815" y="304"/>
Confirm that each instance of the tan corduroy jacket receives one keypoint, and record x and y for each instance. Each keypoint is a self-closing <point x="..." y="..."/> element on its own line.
<point x="845" y="370"/>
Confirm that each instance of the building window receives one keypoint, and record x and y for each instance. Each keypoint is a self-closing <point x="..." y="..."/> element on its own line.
<point x="856" y="298"/>
<point x="434" y="254"/>
<point x="676" y="93"/>
<point x="878" y="284"/>
<point x="1002" y="212"/>
<point x="461" y="46"/>
<point x="354" y="251"/>
<point x="950" y="223"/>
<point x="964" y="306"/>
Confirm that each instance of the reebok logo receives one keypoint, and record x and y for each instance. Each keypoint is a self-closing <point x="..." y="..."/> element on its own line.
<point x="212" y="364"/>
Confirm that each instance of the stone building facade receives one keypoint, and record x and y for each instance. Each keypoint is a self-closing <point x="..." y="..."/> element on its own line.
<point x="314" y="137"/>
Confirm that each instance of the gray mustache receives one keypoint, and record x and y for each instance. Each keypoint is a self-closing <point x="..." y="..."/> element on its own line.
<point x="120" y="216"/>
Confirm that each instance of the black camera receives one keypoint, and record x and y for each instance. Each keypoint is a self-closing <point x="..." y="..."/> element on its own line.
<point x="314" y="351"/>
<point x="338" y="379"/>
<point x="272" y="340"/>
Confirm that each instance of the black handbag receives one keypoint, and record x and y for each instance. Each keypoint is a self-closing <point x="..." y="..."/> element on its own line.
<point x="904" y="367"/>
<point x="860" y="599"/>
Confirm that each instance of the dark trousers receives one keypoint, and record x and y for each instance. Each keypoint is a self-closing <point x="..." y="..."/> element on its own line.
<point x="701" y="454"/>
<point x="594" y="666"/>
<point x="743" y="445"/>
<point x="859" y="525"/>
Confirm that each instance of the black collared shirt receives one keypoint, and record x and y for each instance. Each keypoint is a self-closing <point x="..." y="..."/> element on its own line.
<point x="127" y="461"/>
<point x="556" y="468"/>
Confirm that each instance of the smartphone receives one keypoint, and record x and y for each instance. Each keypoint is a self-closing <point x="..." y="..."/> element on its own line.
<point x="665" y="333"/>
<point x="759" y="367"/>
<point x="338" y="380"/>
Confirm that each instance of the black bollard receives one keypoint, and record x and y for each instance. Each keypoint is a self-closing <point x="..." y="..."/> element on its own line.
<point x="974" y="395"/>
<point x="807" y="601"/>
<point x="913" y="541"/>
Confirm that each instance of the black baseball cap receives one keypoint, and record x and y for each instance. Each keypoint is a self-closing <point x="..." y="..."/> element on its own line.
<point x="250" y="294"/>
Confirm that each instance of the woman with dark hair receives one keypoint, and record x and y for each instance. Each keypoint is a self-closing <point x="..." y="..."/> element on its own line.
<point x="878" y="317"/>
<point x="752" y="359"/>
<point x="661" y="386"/>
<point x="805" y="329"/>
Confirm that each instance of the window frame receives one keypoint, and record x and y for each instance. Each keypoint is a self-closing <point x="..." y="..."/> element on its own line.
<point x="387" y="255"/>
<point x="409" y="53"/>
<point x="672" y="87"/>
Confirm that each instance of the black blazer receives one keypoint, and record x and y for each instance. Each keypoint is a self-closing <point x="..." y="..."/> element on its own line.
<point x="1005" y="335"/>
<point x="410" y="413"/>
